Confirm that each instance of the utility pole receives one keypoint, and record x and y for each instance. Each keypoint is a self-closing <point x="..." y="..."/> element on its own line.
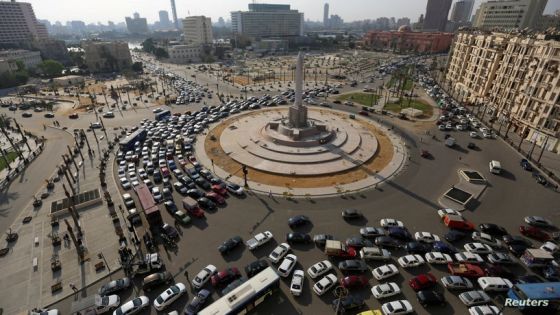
<point x="94" y="135"/>
<point x="75" y="241"/>
<point x="78" y="147"/>
<point x="84" y="136"/>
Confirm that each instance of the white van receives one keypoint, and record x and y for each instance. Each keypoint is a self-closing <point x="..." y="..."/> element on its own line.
<point x="495" y="167"/>
<point x="374" y="253"/>
<point x="494" y="284"/>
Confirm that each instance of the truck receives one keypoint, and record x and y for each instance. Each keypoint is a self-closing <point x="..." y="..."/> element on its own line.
<point x="465" y="270"/>
<point x="259" y="240"/>
<point x="150" y="263"/>
<point x="95" y="304"/>
<point x="338" y="249"/>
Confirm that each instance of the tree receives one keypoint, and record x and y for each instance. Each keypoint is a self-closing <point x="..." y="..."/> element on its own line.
<point x="148" y="46"/>
<point x="161" y="53"/>
<point x="137" y="67"/>
<point x="51" y="68"/>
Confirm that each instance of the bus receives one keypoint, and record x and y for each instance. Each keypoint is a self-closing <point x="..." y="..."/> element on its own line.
<point x="532" y="297"/>
<point x="247" y="296"/>
<point x="163" y="115"/>
<point x="127" y="143"/>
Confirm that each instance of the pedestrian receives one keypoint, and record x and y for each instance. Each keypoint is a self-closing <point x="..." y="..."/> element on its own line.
<point x="420" y="139"/>
<point x="270" y="193"/>
<point x="459" y="158"/>
<point x="73" y="287"/>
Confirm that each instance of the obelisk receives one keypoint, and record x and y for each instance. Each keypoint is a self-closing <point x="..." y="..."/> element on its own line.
<point x="298" y="112"/>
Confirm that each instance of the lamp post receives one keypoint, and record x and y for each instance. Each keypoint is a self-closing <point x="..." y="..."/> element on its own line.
<point x="101" y="256"/>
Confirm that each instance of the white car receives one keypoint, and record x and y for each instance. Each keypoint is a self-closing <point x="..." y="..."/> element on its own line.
<point x="549" y="247"/>
<point x="319" y="269"/>
<point x="203" y="276"/>
<point x="142" y="173"/>
<point x="486" y="239"/>
<point x="500" y="258"/>
<point x="426" y="237"/>
<point x="169" y="296"/>
<point x="388" y="222"/>
<point x="456" y="283"/>
<point x="133" y="306"/>
<point x="287" y="265"/>
<point x="495" y="284"/>
<point x="411" y="261"/>
<point x="325" y="284"/>
<point x="476" y="297"/>
<point x="157" y="194"/>
<point x="279" y="252"/>
<point x="385" y="290"/>
<point x="124" y="183"/>
<point x="443" y="212"/>
<point x="478" y="248"/>
<point x="484" y="310"/>
<point x="468" y="257"/>
<point x="385" y="271"/>
<point x="397" y="307"/>
<point x="474" y="134"/>
<point x="438" y="258"/>
<point x="297" y="282"/>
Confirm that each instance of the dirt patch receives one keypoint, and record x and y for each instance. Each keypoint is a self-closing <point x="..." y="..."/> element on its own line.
<point x="375" y="164"/>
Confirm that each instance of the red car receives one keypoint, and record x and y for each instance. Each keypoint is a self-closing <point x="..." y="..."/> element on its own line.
<point x="224" y="277"/>
<point x="422" y="281"/>
<point x="363" y="113"/>
<point x="354" y="282"/>
<point x="220" y="189"/>
<point x="217" y="198"/>
<point x="534" y="232"/>
<point x="196" y="212"/>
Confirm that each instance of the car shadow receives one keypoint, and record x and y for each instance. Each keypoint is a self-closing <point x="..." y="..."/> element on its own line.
<point x="306" y="228"/>
<point x="507" y="175"/>
<point x="265" y="249"/>
<point x="235" y="254"/>
<point x="357" y="222"/>
<point x="200" y="223"/>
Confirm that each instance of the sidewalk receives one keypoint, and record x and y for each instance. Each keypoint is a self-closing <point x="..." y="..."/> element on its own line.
<point x="25" y="272"/>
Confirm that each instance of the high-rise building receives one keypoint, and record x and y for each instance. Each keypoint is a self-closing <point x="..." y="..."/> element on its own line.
<point x="336" y="21"/>
<point x="174" y="11"/>
<point x="197" y="30"/>
<point x="164" y="18"/>
<point x="462" y="11"/>
<point x="436" y="15"/>
<point x="106" y="56"/>
<point x="509" y="14"/>
<point x="267" y="20"/>
<point x="514" y="77"/>
<point x="137" y="25"/>
<point x="326" y="15"/>
<point x="18" y="23"/>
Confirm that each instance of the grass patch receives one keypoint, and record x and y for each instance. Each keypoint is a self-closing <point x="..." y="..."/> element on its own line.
<point x="394" y="83"/>
<point x="426" y="109"/>
<point x="11" y="156"/>
<point x="366" y="99"/>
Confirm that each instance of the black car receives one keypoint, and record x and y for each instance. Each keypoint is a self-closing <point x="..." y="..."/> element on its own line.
<point x="526" y="165"/>
<point x="540" y="179"/>
<point x="492" y="229"/>
<point x="455" y="235"/>
<point x="351" y="214"/>
<point x="493" y="270"/>
<point x="528" y="279"/>
<point x="430" y="297"/>
<point x="230" y="244"/>
<point x="418" y="248"/>
<point x="400" y="233"/>
<point x="517" y="244"/>
<point x="157" y="177"/>
<point x="197" y="302"/>
<point x="321" y="239"/>
<point x="255" y="267"/>
<point x="170" y="206"/>
<point x="387" y="241"/>
<point x="170" y="231"/>
<point x="195" y="193"/>
<point x="358" y="242"/>
<point x="471" y="146"/>
<point x="293" y="238"/>
<point x="204" y="184"/>
<point x="298" y="220"/>
<point x="353" y="265"/>
<point x="206" y="203"/>
<point x="348" y="303"/>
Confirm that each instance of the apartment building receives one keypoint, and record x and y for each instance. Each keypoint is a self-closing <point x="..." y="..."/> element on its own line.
<point x="515" y="77"/>
<point x="267" y="20"/>
<point x="106" y="56"/>
<point x="29" y="58"/>
<point x="509" y="14"/>
<point x="197" y="30"/>
<point x="18" y="23"/>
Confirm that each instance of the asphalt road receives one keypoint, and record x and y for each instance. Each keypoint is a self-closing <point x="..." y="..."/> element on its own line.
<point x="411" y="197"/>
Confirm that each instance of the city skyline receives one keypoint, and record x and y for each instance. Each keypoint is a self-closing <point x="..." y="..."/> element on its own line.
<point x="105" y="10"/>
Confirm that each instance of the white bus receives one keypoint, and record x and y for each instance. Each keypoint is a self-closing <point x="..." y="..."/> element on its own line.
<point x="247" y="296"/>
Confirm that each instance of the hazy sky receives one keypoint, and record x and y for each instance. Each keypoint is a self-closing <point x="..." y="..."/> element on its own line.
<point x="93" y="11"/>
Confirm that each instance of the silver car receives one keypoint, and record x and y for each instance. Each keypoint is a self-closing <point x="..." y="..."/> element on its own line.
<point x="476" y="297"/>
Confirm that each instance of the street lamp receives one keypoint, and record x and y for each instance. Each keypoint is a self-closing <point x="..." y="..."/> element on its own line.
<point x="101" y="256"/>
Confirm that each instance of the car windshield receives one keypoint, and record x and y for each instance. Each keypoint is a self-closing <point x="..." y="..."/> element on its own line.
<point x="137" y="302"/>
<point x="296" y="286"/>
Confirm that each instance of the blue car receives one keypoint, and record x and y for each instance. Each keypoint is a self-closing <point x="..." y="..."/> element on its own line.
<point x="197" y="302"/>
<point x="400" y="233"/>
<point x="443" y="247"/>
<point x="526" y="165"/>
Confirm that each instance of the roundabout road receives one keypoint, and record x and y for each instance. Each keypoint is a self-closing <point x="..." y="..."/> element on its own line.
<point x="411" y="197"/>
